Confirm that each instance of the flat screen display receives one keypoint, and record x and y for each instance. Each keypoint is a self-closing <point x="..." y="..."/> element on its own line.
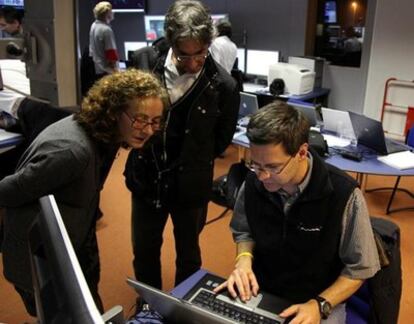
<point x="217" y="17"/>
<point x="154" y="27"/>
<point x="258" y="61"/>
<point x="330" y="12"/>
<point x="18" y="4"/>
<point x="127" y="5"/>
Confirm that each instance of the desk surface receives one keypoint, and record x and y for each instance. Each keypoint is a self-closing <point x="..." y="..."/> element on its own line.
<point x="263" y="90"/>
<point x="9" y="140"/>
<point x="369" y="164"/>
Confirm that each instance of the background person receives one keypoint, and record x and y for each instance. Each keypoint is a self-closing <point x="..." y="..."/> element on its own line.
<point x="173" y="174"/>
<point x="11" y="22"/>
<point x="301" y="226"/>
<point x="223" y="50"/>
<point x="102" y="45"/>
<point x="71" y="159"/>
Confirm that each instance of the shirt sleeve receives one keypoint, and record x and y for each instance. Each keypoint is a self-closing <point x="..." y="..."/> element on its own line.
<point x="239" y="225"/>
<point x="41" y="175"/>
<point x="358" y="250"/>
<point x="111" y="53"/>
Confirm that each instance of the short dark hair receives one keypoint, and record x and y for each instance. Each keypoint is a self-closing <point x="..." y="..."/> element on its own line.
<point x="223" y="27"/>
<point x="11" y="14"/>
<point x="109" y="98"/>
<point x="188" y="19"/>
<point x="279" y="123"/>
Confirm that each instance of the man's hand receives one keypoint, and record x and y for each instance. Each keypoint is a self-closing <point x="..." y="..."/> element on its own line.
<point x="307" y="313"/>
<point x="243" y="279"/>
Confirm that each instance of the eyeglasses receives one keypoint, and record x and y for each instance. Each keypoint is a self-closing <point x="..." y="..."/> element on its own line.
<point x="187" y="58"/>
<point x="140" y="122"/>
<point x="256" y="168"/>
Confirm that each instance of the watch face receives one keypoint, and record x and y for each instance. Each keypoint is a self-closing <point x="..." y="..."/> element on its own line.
<point x="326" y="308"/>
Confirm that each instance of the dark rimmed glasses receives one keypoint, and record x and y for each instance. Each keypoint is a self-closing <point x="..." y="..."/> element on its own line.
<point x="256" y="168"/>
<point x="141" y="122"/>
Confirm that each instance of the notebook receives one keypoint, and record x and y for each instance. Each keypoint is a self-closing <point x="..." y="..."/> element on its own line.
<point x="201" y="305"/>
<point x="248" y="106"/>
<point x="338" y="122"/>
<point x="308" y="111"/>
<point x="369" y="132"/>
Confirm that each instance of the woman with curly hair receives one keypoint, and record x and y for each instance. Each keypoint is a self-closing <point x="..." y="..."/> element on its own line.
<point x="71" y="160"/>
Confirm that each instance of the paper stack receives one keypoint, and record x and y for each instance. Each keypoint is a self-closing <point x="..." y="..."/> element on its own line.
<point x="401" y="160"/>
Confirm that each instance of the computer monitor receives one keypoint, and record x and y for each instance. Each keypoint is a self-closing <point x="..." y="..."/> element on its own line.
<point x="258" y="61"/>
<point x="154" y="27"/>
<point x="217" y="17"/>
<point x="330" y="12"/>
<point x="133" y="46"/>
<point x="127" y="5"/>
<point x="18" y="4"/>
<point x="61" y="292"/>
<point x="241" y="59"/>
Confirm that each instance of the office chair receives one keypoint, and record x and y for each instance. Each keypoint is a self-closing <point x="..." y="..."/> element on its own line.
<point x="226" y="187"/>
<point x="409" y="140"/>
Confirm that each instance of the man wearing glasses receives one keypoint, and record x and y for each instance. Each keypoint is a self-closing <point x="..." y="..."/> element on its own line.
<point x="301" y="226"/>
<point x="172" y="174"/>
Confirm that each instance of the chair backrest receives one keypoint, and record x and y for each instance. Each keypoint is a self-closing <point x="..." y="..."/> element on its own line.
<point x="410" y="137"/>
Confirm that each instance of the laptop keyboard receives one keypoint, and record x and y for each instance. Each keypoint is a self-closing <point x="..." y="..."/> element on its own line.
<point x="212" y="302"/>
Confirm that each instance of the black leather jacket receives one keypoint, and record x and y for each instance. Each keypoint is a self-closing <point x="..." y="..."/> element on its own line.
<point x="176" y="166"/>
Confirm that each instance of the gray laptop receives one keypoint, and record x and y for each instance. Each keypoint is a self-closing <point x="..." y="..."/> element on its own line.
<point x="335" y="121"/>
<point x="204" y="307"/>
<point x="308" y="111"/>
<point x="248" y="106"/>
<point x="370" y="133"/>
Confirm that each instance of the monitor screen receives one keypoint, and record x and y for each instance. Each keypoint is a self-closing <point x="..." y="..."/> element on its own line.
<point x="132" y="46"/>
<point x="330" y="12"/>
<point x="127" y="5"/>
<point x="61" y="292"/>
<point x="241" y="63"/>
<point x="217" y="17"/>
<point x="258" y="61"/>
<point x="154" y="27"/>
<point x="18" y="4"/>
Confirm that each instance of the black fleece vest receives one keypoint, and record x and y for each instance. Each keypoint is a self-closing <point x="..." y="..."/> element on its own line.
<point x="296" y="256"/>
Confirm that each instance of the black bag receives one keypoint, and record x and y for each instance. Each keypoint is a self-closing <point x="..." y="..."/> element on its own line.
<point x="318" y="143"/>
<point x="226" y="187"/>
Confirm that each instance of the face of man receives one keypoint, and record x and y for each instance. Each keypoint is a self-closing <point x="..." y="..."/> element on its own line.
<point x="11" y="28"/>
<point x="140" y="120"/>
<point x="275" y="168"/>
<point x="189" y="56"/>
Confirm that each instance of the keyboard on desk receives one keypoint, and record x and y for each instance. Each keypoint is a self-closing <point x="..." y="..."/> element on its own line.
<point x="233" y="310"/>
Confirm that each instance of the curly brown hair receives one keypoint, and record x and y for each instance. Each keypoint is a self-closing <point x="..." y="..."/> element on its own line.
<point x="109" y="98"/>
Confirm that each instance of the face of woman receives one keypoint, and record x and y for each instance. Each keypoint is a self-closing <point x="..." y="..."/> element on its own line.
<point x="140" y="120"/>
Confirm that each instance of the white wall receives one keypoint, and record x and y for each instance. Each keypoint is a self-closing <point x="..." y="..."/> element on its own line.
<point x="392" y="55"/>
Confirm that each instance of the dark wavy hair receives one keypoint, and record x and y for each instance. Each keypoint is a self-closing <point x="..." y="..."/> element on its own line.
<point x="277" y="123"/>
<point x="109" y="98"/>
<point x="188" y="19"/>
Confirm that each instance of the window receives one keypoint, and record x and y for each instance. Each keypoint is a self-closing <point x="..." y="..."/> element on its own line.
<point x="340" y="31"/>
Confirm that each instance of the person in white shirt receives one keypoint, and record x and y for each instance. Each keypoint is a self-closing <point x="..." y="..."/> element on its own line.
<point x="223" y="50"/>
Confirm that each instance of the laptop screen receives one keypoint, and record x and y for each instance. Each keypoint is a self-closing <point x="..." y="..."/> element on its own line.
<point x="308" y="111"/>
<point x="248" y="104"/>
<point x="369" y="132"/>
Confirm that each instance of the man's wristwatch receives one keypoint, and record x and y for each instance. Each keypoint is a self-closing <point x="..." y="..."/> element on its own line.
<point x="325" y="307"/>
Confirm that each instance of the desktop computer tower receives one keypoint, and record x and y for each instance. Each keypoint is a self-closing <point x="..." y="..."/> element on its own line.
<point x="314" y="64"/>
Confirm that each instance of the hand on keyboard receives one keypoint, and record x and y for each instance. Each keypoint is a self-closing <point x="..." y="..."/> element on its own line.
<point x="242" y="281"/>
<point x="304" y="313"/>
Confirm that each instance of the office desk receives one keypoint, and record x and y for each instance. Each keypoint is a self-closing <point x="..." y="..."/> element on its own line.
<point x="9" y="140"/>
<point x="368" y="165"/>
<point x="318" y="95"/>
